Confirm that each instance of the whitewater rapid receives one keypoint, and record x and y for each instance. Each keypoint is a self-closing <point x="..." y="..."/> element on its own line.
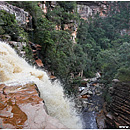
<point x="15" y="70"/>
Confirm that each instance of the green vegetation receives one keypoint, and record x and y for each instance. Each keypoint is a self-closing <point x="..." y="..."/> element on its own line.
<point x="101" y="43"/>
<point x="106" y="46"/>
<point x="58" y="54"/>
<point x="9" y="26"/>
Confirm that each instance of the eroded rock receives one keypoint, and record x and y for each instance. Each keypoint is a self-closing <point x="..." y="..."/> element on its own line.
<point x="118" y="112"/>
<point x="120" y="106"/>
<point x="22" y="108"/>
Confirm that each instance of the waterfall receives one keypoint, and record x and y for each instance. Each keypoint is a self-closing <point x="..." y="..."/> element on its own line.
<point x="15" y="70"/>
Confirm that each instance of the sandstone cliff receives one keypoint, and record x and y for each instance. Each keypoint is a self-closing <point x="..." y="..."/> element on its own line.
<point x="90" y="8"/>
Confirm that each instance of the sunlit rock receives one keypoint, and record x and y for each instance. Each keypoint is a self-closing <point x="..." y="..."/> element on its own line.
<point x="39" y="63"/>
<point x="22" y="108"/>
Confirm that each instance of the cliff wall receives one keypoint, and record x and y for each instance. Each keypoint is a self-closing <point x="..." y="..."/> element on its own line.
<point x="22" y="16"/>
<point x="117" y="114"/>
<point x="90" y="8"/>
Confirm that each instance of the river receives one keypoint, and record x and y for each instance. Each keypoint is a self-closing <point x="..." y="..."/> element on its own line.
<point x="91" y="105"/>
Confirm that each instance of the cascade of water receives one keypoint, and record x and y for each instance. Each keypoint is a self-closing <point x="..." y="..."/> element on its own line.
<point x="14" y="69"/>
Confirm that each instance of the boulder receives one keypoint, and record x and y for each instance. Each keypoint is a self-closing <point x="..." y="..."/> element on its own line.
<point x="86" y="91"/>
<point x="115" y="80"/>
<point x="39" y="63"/>
<point x="22" y="108"/>
<point x="84" y="96"/>
<point x="90" y="92"/>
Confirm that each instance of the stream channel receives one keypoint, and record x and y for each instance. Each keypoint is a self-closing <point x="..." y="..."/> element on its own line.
<point x="90" y="103"/>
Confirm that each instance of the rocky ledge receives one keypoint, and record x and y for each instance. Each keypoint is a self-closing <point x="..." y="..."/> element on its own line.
<point x="118" y="112"/>
<point x="21" y="107"/>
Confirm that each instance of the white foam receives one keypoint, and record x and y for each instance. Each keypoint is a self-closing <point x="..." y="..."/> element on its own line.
<point x="15" y="70"/>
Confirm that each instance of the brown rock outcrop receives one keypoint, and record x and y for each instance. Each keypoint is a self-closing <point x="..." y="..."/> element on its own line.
<point x="90" y="8"/>
<point x="36" y="48"/>
<point x="39" y="63"/>
<point x="21" y="107"/>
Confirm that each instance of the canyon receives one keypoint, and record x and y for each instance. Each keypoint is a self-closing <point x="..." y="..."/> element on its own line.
<point x="19" y="99"/>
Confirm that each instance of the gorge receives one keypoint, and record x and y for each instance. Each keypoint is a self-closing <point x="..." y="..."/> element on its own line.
<point x="72" y="64"/>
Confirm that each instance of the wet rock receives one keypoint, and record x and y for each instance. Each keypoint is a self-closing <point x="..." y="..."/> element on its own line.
<point x="84" y="96"/>
<point x="85" y="105"/>
<point x="96" y="85"/>
<point x="85" y="102"/>
<point x="90" y="109"/>
<point x="84" y="91"/>
<point x="91" y="101"/>
<point x="78" y="104"/>
<point x="22" y="108"/>
<point x="88" y="85"/>
<point x="52" y="77"/>
<point x="98" y="75"/>
<point x="120" y="106"/>
<point x="90" y="92"/>
<point x="98" y="94"/>
<point x="101" y="120"/>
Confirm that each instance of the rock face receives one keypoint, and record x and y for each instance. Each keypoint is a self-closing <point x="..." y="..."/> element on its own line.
<point x="118" y="112"/>
<point x="89" y="8"/>
<point x="20" y="49"/>
<point x="22" y="108"/>
<point x="36" y="48"/>
<point x="21" y="16"/>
